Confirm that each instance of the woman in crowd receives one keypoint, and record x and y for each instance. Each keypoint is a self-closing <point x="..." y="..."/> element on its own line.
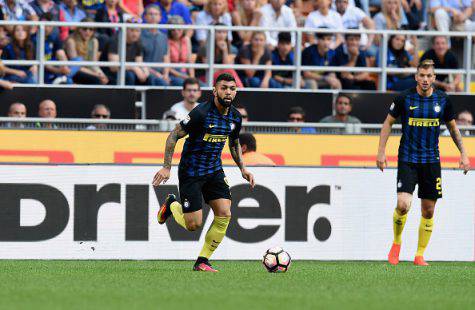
<point x="179" y="47"/>
<point x="216" y="11"/>
<point x="83" y="46"/>
<point x="398" y="57"/>
<point x="69" y="11"/>
<point x="256" y="53"/>
<point x="247" y="13"/>
<point x="391" y="16"/>
<point x="109" y="13"/>
<point x="223" y="54"/>
<point x="20" y="48"/>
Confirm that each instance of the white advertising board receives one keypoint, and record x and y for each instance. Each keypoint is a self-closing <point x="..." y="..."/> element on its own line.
<point x="109" y="212"/>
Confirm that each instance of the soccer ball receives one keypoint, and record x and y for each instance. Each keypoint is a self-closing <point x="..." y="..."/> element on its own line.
<point x="276" y="260"/>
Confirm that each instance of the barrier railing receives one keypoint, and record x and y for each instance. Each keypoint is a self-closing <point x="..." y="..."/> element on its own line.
<point x="211" y="67"/>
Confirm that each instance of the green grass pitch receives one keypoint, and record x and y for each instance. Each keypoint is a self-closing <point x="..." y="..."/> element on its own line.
<point x="239" y="285"/>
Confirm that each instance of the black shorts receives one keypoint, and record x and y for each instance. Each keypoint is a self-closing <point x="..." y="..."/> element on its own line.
<point x="427" y="176"/>
<point x="209" y="187"/>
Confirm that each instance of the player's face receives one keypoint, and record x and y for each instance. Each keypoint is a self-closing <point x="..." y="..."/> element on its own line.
<point x="225" y="91"/>
<point x="425" y="78"/>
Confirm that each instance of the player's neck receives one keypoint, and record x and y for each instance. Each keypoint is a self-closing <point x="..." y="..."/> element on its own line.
<point x="423" y="93"/>
<point x="222" y="109"/>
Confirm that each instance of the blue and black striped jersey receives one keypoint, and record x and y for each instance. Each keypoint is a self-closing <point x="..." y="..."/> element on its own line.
<point x="208" y="131"/>
<point x="420" y="119"/>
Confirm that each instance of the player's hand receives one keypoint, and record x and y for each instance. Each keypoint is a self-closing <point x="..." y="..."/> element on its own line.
<point x="161" y="176"/>
<point x="381" y="162"/>
<point x="249" y="177"/>
<point x="464" y="163"/>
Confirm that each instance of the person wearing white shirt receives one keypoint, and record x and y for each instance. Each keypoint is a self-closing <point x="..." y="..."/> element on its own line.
<point x="191" y="93"/>
<point x="451" y="14"/>
<point x="277" y="14"/>
<point x="325" y="17"/>
<point x="216" y="11"/>
<point x="353" y="17"/>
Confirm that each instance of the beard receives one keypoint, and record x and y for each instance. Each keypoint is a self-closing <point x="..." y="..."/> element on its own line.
<point x="225" y="103"/>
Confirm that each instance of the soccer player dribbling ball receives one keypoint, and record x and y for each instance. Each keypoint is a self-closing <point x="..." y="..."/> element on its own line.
<point x="200" y="172"/>
<point x="421" y="110"/>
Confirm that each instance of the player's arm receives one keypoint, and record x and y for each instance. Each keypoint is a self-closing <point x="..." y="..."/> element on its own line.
<point x="236" y="153"/>
<point x="381" y="162"/>
<point x="164" y="174"/>
<point x="457" y="138"/>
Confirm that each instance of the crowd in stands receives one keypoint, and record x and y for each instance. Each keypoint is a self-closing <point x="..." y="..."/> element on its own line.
<point x="231" y="47"/>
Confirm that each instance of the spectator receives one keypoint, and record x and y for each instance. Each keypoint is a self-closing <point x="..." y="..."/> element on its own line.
<point x="444" y="59"/>
<point x="45" y="6"/>
<point x="463" y="118"/>
<point x="3" y="83"/>
<point x="4" y="37"/>
<point x="109" y="13"/>
<point x="256" y="53"/>
<point x="180" y="52"/>
<point x="47" y="109"/>
<point x="133" y="8"/>
<point x="17" y="110"/>
<point x="353" y="18"/>
<point x="451" y="14"/>
<point x="53" y="50"/>
<point x="391" y="16"/>
<point x="320" y="54"/>
<point x="216" y="11"/>
<point x="414" y="12"/>
<point x="17" y="10"/>
<point x="283" y="56"/>
<point x="91" y="6"/>
<point x="244" y="113"/>
<point x="470" y="22"/>
<point x="223" y="54"/>
<point x="155" y="45"/>
<point x="247" y="13"/>
<point x="20" y="48"/>
<point x="99" y="111"/>
<point x="174" y="8"/>
<point x="191" y="93"/>
<point x="343" y="107"/>
<point x="297" y="115"/>
<point x="277" y="14"/>
<point x="135" y="75"/>
<point x="83" y="46"/>
<point x="250" y="156"/>
<point x="350" y="54"/>
<point x="69" y="11"/>
<point x="325" y="17"/>
<point x="398" y="57"/>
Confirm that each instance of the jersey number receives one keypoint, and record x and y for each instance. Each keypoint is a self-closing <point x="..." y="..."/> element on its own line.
<point x="438" y="185"/>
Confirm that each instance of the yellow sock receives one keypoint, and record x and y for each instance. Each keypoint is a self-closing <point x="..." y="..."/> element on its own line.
<point x="215" y="235"/>
<point x="398" y="226"/>
<point x="425" y="230"/>
<point x="177" y="212"/>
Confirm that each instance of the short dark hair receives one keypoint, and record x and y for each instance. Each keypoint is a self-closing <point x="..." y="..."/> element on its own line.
<point x="47" y="16"/>
<point x="426" y="64"/>
<point x="296" y="110"/>
<point x="344" y="96"/>
<point x="432" y="40"/>
<point x="248" y="139"/>
<point x="321" y="35"/>
<point x="349" y="35"/>
<point x="191" y="81"/>
<point x="284" y="37"/>
<point x="225" y="77"/>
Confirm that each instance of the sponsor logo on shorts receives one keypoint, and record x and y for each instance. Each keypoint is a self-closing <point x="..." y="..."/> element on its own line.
<point x="186" y="204"/>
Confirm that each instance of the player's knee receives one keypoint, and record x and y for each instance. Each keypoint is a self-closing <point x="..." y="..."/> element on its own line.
<point x="193" y="225"/>
<point x="223" y="213"/>
<point x="403" y="206"/>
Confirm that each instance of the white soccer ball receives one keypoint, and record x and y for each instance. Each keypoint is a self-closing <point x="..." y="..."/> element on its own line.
<point x="276" y="260"/>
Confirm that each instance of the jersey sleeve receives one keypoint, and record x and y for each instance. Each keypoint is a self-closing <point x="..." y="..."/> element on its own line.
<point x="235" y="132"/>
<point x="193" y="121"/>
<point x="449" y="111"/>
<point x="396" y="108"/>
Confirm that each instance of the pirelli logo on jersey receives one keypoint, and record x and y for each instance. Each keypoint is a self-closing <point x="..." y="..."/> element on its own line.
<point x="215" y="138"/>
<point x="423" y="122"/>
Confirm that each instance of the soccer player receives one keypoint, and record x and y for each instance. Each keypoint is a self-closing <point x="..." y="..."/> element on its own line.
<point x="421" y="110"/>
<point x="200" y="172"/>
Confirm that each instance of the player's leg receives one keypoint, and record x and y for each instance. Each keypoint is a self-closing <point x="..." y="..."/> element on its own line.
<point x="217" y="195"/>
<point x="406" y="182"/>
<point x="430" y="189"/>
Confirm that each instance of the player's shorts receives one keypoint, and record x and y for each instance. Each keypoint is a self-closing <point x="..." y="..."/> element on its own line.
<point x="194" y="189"/>
<point x="427" y="176"/>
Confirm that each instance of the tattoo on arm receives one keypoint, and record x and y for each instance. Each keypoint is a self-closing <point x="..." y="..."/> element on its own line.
<point x="236" y="153"/>
<point x="456" y="136"/>
<point x="173" y="137"/>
